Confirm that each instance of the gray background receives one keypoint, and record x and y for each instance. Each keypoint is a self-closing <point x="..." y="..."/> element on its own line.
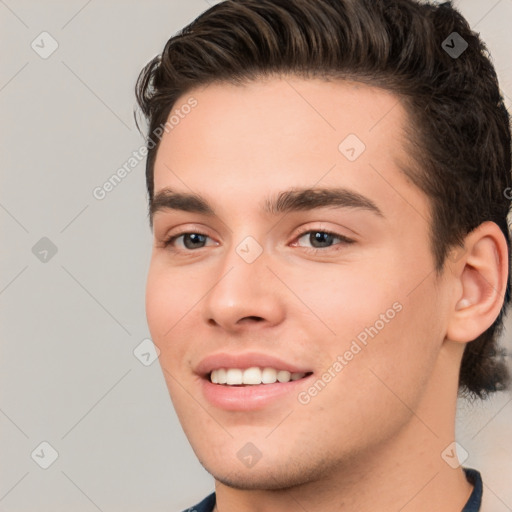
<point x="70" y="323"/>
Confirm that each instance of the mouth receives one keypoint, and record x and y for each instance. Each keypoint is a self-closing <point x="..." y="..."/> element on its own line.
<point x="250" y="381"/>
<point x="253" y="376"/>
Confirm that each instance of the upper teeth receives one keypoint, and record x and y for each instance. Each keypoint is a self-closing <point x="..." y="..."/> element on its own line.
<point x="254" y="375"/>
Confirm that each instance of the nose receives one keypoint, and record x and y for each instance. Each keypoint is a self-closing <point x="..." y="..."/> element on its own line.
<point x="244" y="295"/>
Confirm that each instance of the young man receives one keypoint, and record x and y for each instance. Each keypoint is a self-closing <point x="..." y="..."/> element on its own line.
<point x="330" y="268"/>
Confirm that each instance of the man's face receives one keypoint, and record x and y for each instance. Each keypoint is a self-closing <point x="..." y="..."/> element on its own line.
<point x="358" y="314"/>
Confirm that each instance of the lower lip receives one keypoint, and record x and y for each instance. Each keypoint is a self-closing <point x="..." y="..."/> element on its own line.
<point x="250" y="397"/>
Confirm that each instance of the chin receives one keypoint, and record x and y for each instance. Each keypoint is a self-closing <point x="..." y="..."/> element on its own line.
<point x="275" y="477"/>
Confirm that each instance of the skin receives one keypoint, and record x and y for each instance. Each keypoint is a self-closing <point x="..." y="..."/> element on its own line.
<point x="372" y="439"/>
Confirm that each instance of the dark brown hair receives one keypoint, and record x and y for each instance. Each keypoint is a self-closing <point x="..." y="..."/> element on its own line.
<point x="459" y="130"/>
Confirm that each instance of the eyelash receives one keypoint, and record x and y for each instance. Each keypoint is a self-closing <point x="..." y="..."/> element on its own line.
<point x="313" y="250"/>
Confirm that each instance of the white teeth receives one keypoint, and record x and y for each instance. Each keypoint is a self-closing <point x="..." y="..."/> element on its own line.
<point x="252" y="376"/>
<point x="234" y="376"/>
<point x="221" y="376"/>
<point x="283" y="376"/>
<point x="268" y="376"/>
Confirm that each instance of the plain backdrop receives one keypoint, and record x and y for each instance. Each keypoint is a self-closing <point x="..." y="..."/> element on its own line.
<point x="73" y="268"/>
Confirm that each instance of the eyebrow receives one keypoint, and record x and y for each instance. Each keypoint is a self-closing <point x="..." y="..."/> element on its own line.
<point x="292" y="200"/>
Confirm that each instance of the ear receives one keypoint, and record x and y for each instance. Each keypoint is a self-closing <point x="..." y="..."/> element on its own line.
<point x="480" y="275"/>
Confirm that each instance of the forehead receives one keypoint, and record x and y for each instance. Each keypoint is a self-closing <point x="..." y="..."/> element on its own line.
<point x="275" y="133"/>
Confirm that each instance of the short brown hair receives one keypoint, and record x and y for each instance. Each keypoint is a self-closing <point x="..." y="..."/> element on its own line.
<point x="460" y="143"/>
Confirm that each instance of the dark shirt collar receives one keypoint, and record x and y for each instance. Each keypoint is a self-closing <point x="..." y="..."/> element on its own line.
<point x="475" y="500"/>
<point x="472" y="505"/>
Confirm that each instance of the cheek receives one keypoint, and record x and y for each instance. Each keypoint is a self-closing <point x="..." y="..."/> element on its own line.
<point x="173" y="310"/>
<point x="157" y="304"/>
<point x="346" y="298"/>
<point x="379" y="318"/>
<point x="164" y="308"/>
<point x="166" y="303"/>
<point x="399" y="352"/>
<point x="171" y="293"/>
<point x="380" y="379"/>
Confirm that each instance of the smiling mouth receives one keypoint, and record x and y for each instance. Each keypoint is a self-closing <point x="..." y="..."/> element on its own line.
<point x="253" y="376"/>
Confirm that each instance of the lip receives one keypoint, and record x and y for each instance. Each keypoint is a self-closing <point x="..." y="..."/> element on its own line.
<point x="249" y="397"/>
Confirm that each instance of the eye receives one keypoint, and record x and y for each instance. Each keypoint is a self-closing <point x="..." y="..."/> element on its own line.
<point x="191" y="240"/>
<point x="320" y="239"/>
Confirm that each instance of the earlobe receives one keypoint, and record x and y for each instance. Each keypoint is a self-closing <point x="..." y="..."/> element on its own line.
<point x="482" y="275"/>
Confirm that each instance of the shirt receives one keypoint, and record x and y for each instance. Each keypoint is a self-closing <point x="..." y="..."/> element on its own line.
<point x="472" y="505"/>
